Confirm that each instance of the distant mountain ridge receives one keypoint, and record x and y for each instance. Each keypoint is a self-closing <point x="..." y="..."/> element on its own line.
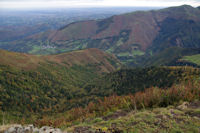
<point x="144" y="26"/>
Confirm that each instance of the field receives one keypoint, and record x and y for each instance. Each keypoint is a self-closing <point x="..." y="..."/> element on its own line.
<point x="194" y="59"/>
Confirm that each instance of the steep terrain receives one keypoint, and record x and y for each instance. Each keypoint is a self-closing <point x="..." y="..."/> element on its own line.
<point x="38" y="84"/>
<point x="41" y="94"/>
<point x="153" y="110"/>
<point x="133" y="28"/>
<point x="18" y="24"/>
<point x="83" y="90"/>
<point x="68" y="89"/>
<point x="132" y="37"/>
<point x="130" y="81"/>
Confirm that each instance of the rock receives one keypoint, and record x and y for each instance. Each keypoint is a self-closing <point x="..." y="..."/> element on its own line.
<point x="47" y="129"/>
<point x="183" y="106"/>
<point x="19" y="129"/>
<point x="36" y="130"/>
<point x="11" y="130"/>
<point x="28" y="130"/>
<point x="82" y="129"/>
<point x="32" y="129"/>
<point x="58" y="130"/>
<point x="44" y="129"/>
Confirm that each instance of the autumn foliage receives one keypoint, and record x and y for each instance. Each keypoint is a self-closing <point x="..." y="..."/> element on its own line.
<point x="152" y="97"/>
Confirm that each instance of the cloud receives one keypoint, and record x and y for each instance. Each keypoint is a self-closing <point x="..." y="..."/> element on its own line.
<point x="92" y="3"/>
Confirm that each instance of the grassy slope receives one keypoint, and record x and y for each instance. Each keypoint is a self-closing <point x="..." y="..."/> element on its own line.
<point x="194" y="59"/>
<point x="81" y="57"/>
<point x="181" y="118"/>
<point x="171" y="119"/>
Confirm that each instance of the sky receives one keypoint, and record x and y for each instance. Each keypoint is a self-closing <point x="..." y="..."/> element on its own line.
<point x="94" y="3"/>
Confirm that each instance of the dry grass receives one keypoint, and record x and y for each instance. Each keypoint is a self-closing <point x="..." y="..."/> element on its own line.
<point x="91" y="56"/>
<point x="150" y="98"/>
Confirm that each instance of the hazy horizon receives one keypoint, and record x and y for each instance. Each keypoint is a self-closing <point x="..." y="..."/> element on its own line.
<point x="39" y="4"/>
<point x="61" y="9"/>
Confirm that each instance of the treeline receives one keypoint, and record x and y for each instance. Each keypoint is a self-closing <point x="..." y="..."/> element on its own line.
<point x="128" y="81"/>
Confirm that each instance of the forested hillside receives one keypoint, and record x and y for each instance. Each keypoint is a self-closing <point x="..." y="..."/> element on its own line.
<point x="38" y="84"/>
<point x="53" y="87"/>
<point x="153" y="110"/>
<point x="129" y="81"/>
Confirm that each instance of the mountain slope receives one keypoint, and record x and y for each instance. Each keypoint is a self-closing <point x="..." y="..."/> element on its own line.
<point x="130" y="81"/>
<point x="82" y="57"/>
<point x="39" y="88"/>
<point x="135" y="112"/>
<point x="142" y="27"/>
<point x="52" y="83"/>
<point x="132" y="37"/>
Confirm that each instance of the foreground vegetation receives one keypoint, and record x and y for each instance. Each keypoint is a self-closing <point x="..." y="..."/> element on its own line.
<point x="107" y="111"/>
<point x="52" y="89"/>
<point x="171" y="119"/>
<point x="80" y="89"/>
<point x="146" y="110"/>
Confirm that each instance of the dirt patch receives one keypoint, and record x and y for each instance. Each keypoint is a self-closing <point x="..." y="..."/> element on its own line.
<point x="194" y="105"/>
<point x="193" y="114"/>
<point x="115" y="115"/>
<point x="82" y="130"/>
<point x="159" y="116"/>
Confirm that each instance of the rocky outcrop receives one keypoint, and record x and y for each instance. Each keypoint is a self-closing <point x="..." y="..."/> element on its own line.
<point x="32" y="129"/>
